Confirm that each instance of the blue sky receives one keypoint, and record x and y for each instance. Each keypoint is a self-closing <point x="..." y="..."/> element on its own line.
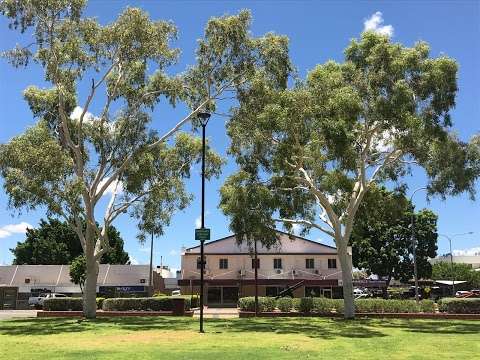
<point x="318" y="31"/>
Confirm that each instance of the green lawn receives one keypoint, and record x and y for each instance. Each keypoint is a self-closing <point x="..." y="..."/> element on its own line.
<point x="287" y="338"/>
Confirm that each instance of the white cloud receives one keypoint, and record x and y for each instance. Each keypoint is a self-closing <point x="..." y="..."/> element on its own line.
<point x="77" y="112"/>
<point x="375" y="23"/>
<point x="8" y="230"/>
<point x="198" y="222"/>
<point x="110" y="188"/>
<point x="133" y="261"/>
<point x="474" y="251"/>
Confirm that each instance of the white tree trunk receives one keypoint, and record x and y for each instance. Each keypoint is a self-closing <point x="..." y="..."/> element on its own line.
<point x="90" y="291"/>
<point x="346" y="266"/>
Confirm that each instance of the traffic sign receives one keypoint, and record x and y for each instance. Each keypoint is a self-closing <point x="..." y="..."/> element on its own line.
<point x="202" y="234"/>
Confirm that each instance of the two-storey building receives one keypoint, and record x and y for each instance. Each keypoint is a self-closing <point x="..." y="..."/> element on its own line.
<point x="230" y="268"/>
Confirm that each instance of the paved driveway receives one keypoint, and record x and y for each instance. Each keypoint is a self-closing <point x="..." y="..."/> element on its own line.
<point x="11" y="314"/>
<point x="218" y="313"/>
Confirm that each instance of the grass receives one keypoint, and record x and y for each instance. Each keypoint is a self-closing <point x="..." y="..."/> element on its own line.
<point x="278" y="338"/>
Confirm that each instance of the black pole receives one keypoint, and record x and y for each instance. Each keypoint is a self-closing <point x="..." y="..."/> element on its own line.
<point x="256" y="280"/>
<point x="202" y="260"/>
<point x="151" y="267"/>
<point x="414" y="251"/>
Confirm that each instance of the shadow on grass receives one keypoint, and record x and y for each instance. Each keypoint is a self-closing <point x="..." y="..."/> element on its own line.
<point x="311" y="327"/>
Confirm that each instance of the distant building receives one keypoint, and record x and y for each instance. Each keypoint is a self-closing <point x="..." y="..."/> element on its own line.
<point x="472" y="260"/>
<point x="229" y="270"/>
<point x="18" y="282"/>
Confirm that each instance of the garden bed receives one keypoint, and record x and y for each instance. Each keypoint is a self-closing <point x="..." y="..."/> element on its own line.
<point x="101" y="313"/>
<point x="246" y="314"/>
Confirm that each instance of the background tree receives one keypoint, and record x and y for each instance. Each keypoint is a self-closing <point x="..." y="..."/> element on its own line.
<point x="54" y="242"/>
<point x="381" y="236"/>
<point x="309" y="154"/>
<point x="71" y="158"/>
<point x="459" y="272"/>
<point x="78" y="271"/>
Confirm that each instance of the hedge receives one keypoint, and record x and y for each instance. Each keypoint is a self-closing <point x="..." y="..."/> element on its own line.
<point x="63" y="304"/>
<point x="164" y="303"/>
<point x="460" y="306"/>
<point x="322" y="305"/>
<point x="264" y="303"/>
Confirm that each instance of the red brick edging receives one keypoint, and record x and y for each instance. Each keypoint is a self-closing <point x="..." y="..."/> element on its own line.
<point x="246" y="314"/>
<point x="110" y="313"/>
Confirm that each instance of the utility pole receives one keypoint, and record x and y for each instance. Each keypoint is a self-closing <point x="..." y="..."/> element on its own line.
<point x="150" y="287"/>
<point x="256" y="279"/>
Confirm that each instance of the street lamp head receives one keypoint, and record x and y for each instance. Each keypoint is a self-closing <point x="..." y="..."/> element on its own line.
<point x="203" y="116"/>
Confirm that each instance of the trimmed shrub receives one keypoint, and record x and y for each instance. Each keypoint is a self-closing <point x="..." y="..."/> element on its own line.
<point x="100" y="302"/>
<point x="393" y="306"/>
<point x="306" y="305"/>
<point x="460" y="306"/>
<point x="323" y="305"/>
<point x="163" y="303"/>
<point x="285" y="304"/>
<point x="195" y="300"/>
<point x="427" y="306"/>
<point x="63" y="304"/>
<point x="264" y="303"/>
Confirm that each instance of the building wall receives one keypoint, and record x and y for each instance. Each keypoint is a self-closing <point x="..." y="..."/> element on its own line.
<point x="473" y="260"/>
<point x="241" y="266"/>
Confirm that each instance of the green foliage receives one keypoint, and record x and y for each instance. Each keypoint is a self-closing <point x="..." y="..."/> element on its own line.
<point x="100" y="302"/>
<point x="381" y="237"/>
<point x="63" y="304"/>
<point x="54" y="242"/>
<point x="78" y="271"/>
<point x="444" y="270"/>
<point x="264" y="303"/>
<point x="460" y="306"/>
<point x="393" y="306"/>
<point x="305" y="305"/>
<point x="163" y="303"/>
<point x="285" y="304"/>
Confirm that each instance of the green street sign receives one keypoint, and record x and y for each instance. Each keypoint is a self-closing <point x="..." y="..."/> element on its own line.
<point x="202" y="234"/>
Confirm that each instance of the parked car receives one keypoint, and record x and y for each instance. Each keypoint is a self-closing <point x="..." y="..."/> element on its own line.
<point x="467" y="294"/>
<point x="37" y="301"/>
<point x="176" y="293"/>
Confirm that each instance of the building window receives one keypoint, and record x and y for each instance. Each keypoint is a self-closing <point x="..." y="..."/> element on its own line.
<point x="277" y="263"/>
<point x="272" y="291"/>
<point x="332" y="263"/>
<point x="258" y="263"/>
<point x="223" y="264"/>
<point x="199" y="263"/>
<point x="309" y="264"/>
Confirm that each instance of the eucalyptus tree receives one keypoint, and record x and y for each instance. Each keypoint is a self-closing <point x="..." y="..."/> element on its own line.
<point x="307" y="154"/>
<point x="71" y="159"/>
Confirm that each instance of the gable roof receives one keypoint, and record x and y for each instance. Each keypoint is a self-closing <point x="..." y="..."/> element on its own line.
<point x="288" y="244"/>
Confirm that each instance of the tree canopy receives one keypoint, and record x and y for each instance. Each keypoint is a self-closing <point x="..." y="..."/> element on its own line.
<point x="444" y="270"/>
<point x="381" y="237"/>
<point x="308" y="153"/>
<point x="54" y="242"/>
<point x="83" y="148"/>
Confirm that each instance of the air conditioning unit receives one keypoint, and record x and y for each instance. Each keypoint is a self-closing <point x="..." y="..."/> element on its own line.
<point x="27" y="280"/>
<point x="279" y="271"/>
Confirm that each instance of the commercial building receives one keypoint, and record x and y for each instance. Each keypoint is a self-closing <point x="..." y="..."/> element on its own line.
<point x="472" y="260"/>
<point x="229" y="269"/>
<point x="19" y="282"/>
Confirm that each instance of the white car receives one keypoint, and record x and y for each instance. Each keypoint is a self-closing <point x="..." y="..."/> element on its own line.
<point x="37" y="301"/>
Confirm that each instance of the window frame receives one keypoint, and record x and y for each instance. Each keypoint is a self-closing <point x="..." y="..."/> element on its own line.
<point x="223" y="263"/>
<point x="309" y="263"/>
<point x="332" y="261"/>
<point x="277" y="261"/>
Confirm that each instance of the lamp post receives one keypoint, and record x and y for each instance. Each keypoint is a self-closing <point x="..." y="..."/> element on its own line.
<point x="449" y="238"/>
<point x="414" y="245"/>
<point x="203" y="117"/>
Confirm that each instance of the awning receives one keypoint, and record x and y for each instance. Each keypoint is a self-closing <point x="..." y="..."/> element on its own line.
<point x="449" y="282"/>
